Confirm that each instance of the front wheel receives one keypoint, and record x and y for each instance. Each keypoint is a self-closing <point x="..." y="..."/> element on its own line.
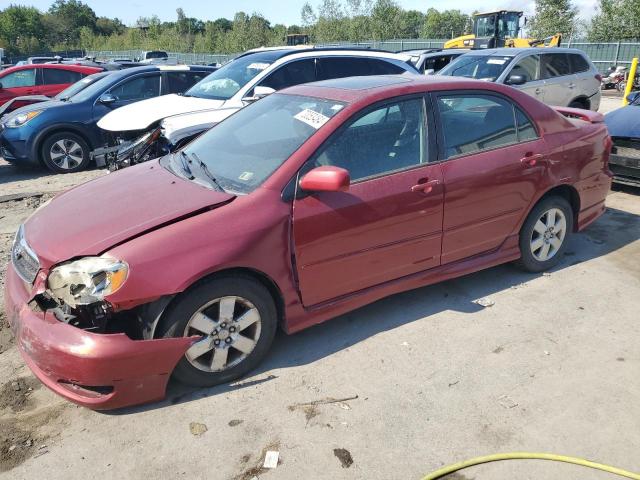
<point x="65" y="152"/>
<point x="544" y="235"/>
<point x="236" y="318"/>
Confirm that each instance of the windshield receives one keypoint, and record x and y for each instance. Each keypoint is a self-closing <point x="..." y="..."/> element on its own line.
<point x="225" y="82"/>
<point x="480" y="67"/>
<point x="508" y="25"/>
<point x="77" y="87"/>
<point x="245" y="149"/>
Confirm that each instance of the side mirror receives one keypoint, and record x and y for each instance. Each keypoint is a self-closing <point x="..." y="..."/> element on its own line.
<point x="107" y="99"/>
<point x="258" y="93"/>
<point x="429" y="71"/>
<point x="516" y="80"/>
<point x="631" y="98"/>
<point x="326" y="179"/>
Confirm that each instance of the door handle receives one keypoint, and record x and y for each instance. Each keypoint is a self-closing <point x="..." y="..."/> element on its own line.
<point x="530" y="160"/>
<point x="538" y="91"/>
<point x="424" y="186"/>
<point x="572" y="85"/>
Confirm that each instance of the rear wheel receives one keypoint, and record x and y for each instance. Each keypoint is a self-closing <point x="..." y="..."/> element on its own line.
<point x="544" y="235"/>
<point x="236" y="318"/>
<point x="65" y="152"/>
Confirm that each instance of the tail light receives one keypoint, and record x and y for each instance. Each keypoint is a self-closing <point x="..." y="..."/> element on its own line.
<point x="598" y="77"/>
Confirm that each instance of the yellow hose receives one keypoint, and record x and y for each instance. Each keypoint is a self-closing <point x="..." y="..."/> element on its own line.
<point x="529" y="456"/>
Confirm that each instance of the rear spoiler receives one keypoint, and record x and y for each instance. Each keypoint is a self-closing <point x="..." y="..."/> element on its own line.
<point x="580" y="114"/>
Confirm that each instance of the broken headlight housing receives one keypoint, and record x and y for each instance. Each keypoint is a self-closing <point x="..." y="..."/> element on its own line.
<point x="88" y="280"/>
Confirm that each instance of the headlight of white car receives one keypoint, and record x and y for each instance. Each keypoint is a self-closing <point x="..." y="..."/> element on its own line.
<point x="87" y="280"/>
<point x="22" y="119"/>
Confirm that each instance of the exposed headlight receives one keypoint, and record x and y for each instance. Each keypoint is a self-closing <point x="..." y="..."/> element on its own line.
<point x="87" y="280"/>
<point x="22" y="119"/>
<point x="136" y="147"/>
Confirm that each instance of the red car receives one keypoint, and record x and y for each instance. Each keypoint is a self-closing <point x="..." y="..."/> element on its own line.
<point x="305" y="205"/>
<point x="40" y="79"/>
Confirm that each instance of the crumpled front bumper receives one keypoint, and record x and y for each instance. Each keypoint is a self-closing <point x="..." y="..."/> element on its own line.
<point x="99" y="371"/>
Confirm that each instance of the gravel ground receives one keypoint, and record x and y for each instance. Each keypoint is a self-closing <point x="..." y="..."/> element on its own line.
<point x="393" y="390"/>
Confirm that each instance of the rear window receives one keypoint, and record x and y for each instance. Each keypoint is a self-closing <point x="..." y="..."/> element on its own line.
<point x="579" y="63"/>
<point x="555" y="65"/>
<point x="341" y="67"/>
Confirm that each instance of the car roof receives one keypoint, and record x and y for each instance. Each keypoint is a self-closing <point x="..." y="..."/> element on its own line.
<point x="276" y="53"/>
<point x="356" y="89"/>
<point x="512" y="52"/>
<point x="55" y="66"/>
<point x="154" y="68"/>
<point x="434" y="52"/>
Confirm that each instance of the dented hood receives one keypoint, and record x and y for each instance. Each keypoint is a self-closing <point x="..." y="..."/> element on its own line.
<point x="141" y="115"/>
<point x="95" y="216"/>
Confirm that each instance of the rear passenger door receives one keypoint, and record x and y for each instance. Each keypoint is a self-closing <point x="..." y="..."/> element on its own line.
<point x="559" y="81"/>
<point x="587" y="84"/>
<point x="488" y="148"/>
<point x="54" y="80"/>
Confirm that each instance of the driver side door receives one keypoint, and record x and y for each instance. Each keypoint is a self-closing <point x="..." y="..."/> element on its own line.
<point x="389" y="223"/>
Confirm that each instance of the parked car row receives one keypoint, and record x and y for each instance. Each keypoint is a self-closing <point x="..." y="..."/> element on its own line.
<point x="155" y="121"/>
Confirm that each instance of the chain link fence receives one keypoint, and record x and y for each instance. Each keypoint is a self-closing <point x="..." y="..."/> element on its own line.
<point x="174" y="57"/>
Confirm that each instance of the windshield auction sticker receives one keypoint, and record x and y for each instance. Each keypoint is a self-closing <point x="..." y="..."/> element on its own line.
<point x="311" y="118"/>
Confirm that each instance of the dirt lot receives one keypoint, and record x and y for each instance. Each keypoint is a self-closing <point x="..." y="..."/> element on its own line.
<point x="393" y="390"/>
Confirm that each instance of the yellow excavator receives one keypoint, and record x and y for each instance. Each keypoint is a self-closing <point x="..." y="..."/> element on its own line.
<point x="500" y="28"/>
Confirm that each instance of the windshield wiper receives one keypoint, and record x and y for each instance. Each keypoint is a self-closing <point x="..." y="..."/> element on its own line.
<point x="205" y="169"/>
<point x="185" y="165"/>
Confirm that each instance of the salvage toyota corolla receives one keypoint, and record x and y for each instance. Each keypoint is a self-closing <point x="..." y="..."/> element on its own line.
<point x="305" y="205"/>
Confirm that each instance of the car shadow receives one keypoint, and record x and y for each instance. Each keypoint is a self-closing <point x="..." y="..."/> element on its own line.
<point x="613" y="231"/>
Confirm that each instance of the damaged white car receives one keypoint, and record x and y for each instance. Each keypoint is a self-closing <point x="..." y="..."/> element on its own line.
<point x="155" y="127"/>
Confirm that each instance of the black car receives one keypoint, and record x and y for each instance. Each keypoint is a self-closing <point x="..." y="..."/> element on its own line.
<point x="61" y="133"/>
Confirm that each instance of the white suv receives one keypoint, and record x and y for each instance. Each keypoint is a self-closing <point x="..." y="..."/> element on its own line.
<point x="169" y="121"/>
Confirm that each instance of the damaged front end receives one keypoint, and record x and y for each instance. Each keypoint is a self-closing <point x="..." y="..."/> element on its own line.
<point x="79" y="344"/>
<point x="124" y="153"/>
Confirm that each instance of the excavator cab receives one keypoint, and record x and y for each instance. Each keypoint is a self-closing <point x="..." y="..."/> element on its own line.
<point x="494" y="29"/>
<point x="500" y="28"/>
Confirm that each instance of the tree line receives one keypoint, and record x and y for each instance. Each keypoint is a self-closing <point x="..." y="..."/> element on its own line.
<point x="70" y="24"/>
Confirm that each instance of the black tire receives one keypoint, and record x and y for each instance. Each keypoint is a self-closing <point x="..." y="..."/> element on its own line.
<point x="579" y="104"/>
<point x="175" y="320"/>
<point x="71" y="146"/>
<point x="528" y="260"/>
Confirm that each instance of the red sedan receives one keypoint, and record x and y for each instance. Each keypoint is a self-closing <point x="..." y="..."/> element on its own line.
<point x="40" y="79"/>
<point x="305" y="205"/>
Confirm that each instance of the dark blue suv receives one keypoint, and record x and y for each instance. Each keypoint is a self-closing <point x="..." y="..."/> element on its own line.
<point x="61" y="133"/>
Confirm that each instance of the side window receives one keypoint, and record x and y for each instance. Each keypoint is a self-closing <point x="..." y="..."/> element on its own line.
<point x="55" y="76"/>
<point x="528" y="67"/>
<point x="340" y="67"/>
<point x="526" y="130"/>
<point x="179" y="82"/>
<point x="474" y="122"/>
<point x="384" y="140"/>
<point x="21" y="78"/>
<point x="292" y="73"/>
<point x="555" y="65"/>
<point x="578" y="63"/>
<point x="381" y="67"/>
<point x="137" y="88"/>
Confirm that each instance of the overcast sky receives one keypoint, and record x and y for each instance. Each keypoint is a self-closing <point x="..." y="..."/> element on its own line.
<point x="281" y="11"/>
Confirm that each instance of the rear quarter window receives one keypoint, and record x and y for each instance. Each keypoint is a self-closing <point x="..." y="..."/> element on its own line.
<point x="555" y="65"/>
<point x="579" y="63"/>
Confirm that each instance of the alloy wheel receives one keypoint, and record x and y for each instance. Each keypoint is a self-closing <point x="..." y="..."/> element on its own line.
<point x="230" y="328"/>
<point x="548" y="234"/>
<point x="66" y="154"/>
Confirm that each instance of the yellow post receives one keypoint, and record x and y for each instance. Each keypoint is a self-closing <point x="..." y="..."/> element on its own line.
<point x="632" y="76"/>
